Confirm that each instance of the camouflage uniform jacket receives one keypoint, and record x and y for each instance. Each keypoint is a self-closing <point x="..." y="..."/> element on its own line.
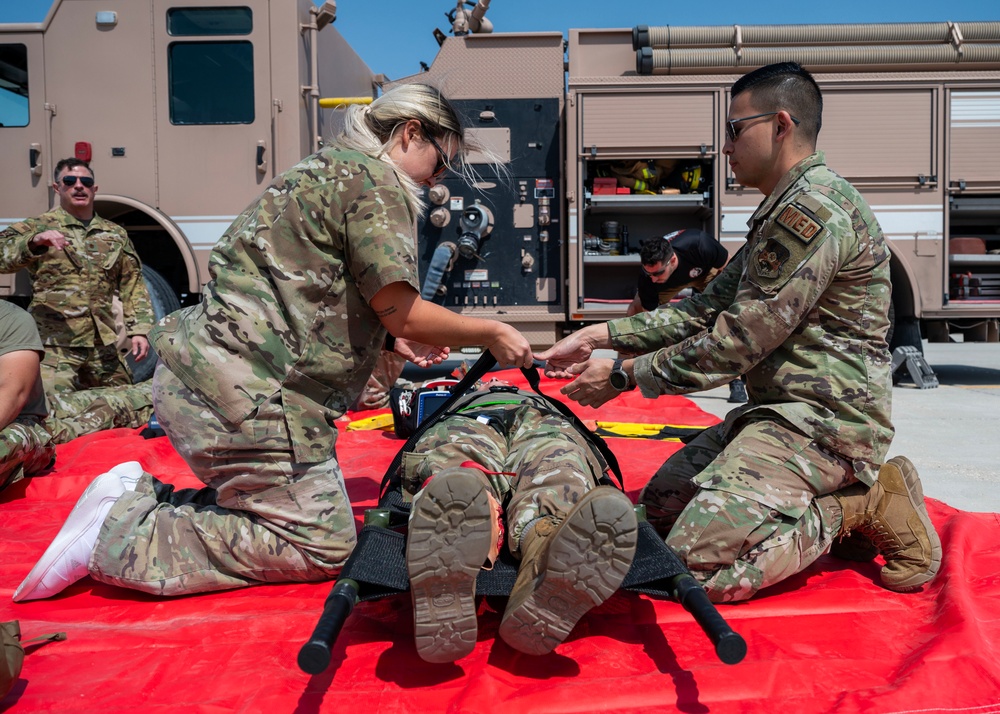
<point x="73" y="287"/>
<point x="287" y="307"/>
<point x="801" y="310"/>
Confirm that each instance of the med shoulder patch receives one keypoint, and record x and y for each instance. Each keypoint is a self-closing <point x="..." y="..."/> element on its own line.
<point x="802" y="222"/>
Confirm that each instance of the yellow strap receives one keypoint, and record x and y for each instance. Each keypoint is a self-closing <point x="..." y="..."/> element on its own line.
<point x="635" y="430"/>
<point x="379" y="421"/>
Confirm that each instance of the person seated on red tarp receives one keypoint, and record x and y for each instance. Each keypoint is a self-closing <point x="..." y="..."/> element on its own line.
<point x="29" y="430"/>
<point x="504" y="460"/>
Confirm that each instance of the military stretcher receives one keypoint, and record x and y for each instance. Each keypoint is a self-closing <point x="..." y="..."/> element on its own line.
<point x="377" y="567"/>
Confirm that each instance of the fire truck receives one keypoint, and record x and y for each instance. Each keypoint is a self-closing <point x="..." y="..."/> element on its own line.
<point x="606" y="138"/>
<point x="186" y="111"/>
<point x="911" y="117"/>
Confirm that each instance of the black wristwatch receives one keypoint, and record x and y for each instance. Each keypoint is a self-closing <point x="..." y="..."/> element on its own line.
<point x="619" y="378"/>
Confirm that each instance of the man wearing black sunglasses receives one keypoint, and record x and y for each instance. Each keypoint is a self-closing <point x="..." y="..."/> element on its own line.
<point x="802" y="311"/>
<point x="78" y="262"/>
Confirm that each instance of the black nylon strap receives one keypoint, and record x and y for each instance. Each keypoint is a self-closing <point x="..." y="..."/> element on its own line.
<point x="483" y="365"/>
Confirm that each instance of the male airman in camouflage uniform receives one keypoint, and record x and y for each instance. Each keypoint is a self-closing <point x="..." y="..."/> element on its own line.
<point x="28" y="436"/>
<point x="802" y="311"/>
<point x="78" y="262"/>
<point x="25" y="446"/>
<point x="504" y="450"/>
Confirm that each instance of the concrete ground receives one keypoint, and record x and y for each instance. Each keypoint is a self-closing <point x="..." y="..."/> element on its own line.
<point x="951" y="433"/>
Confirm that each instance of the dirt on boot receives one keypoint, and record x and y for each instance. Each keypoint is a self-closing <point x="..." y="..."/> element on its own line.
<point x="567" y="568"/>
<point x="449" y="539"/>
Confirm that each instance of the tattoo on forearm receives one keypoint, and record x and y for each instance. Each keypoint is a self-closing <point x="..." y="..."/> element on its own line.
<point x="388" y="311"/>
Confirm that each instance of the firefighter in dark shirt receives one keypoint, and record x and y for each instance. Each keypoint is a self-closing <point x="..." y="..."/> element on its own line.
<point x="683" y="259"/>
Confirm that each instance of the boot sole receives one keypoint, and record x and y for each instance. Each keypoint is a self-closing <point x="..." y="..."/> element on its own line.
<point x="587" y="560"/>
<point x="447" y="543"/>
<point x="916" y="494"/>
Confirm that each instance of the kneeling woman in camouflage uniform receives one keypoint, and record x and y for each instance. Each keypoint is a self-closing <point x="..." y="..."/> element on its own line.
<point x="305" y="285"/>
<point x="503" y="459"/>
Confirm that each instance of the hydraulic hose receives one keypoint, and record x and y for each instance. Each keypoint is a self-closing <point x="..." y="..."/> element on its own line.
<point x="440" y="265"/>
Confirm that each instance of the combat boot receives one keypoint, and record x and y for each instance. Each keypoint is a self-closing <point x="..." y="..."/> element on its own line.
<point x="737" y="392"/>
<point x="569" y="566"/>
<point x="452" y="533"/>
<point x="893" y="516"/>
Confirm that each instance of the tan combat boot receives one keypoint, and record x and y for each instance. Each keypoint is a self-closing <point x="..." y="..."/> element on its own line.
<point x="568" y="567"/>
<point x="452" y="533"/>
<point x="893" y="516"/>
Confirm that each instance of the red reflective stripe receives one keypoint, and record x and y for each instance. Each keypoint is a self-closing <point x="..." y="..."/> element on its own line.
<point x="474" y="465"/>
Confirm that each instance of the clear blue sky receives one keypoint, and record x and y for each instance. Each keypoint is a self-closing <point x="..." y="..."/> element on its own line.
<point x="393" y="36"/>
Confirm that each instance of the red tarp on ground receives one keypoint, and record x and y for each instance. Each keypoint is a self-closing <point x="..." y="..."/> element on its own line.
<point x="827" y="640"/>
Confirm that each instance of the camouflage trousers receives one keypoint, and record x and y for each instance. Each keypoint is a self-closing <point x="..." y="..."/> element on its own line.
<point x="74" y="414"/>
<point x="26" y="449"/>
<point x="547" y="463"/>
<point x="70" y="369"/>
<point x="263" y="517"/>
<point x="744" y="511"/>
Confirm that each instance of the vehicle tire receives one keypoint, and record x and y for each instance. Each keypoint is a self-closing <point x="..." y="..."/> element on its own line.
<point x="892" y="325"/>
<point x="164" y="301"/>
<point x="903" y="331"/>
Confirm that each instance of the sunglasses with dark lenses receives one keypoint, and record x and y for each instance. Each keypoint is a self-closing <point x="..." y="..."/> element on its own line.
<point x="654" y="273"/>
<point x="71" y="180"/>
<point x="732" y="132"/>
<point x="442" y="162"/>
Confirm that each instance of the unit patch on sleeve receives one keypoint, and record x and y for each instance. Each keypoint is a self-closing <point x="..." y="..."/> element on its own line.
<point x="769" y="258"/>
<point x="800" y="221"/>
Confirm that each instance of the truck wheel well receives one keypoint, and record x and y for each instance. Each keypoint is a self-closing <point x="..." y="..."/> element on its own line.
<point x="157" y="246"/>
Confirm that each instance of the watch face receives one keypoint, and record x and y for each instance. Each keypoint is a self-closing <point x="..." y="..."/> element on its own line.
<point x="619" y="380"/>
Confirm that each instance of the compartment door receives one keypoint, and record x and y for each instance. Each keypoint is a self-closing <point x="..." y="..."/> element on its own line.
<point x="639" y="125"/>
<point x="881" y="137"/>
<point x="975" y="141"/>
<point x="213" y="107"/>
